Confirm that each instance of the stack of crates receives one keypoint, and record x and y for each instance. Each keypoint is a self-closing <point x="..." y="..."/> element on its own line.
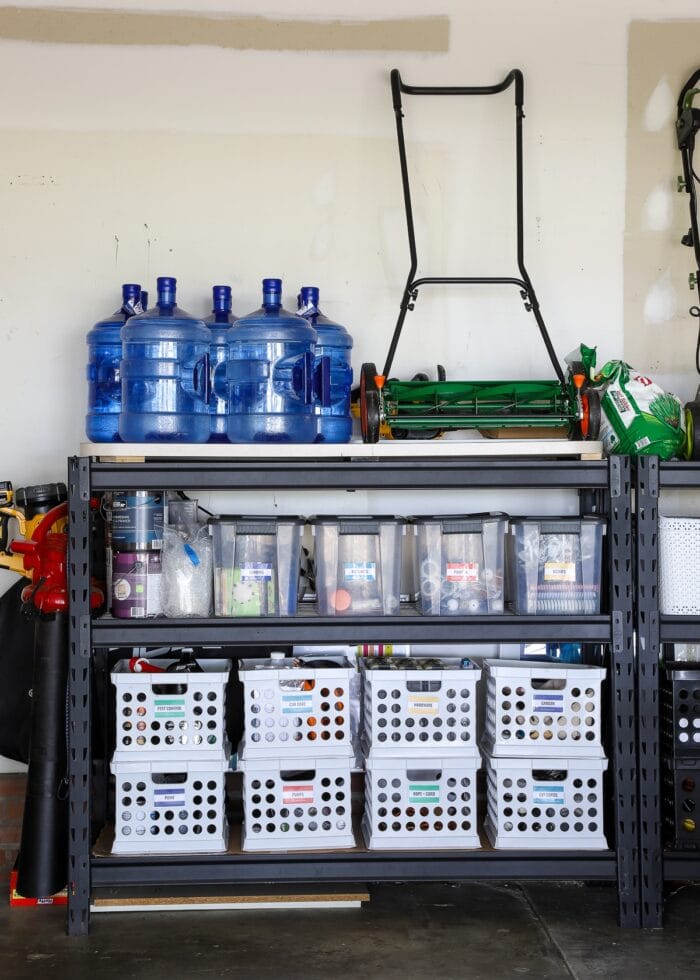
<point x="544" y="755"/>
<point x="170" y="759"/>
<point x="680" y="740"/>
<point x="297" y="754"/>
<point x="419" y="736"/>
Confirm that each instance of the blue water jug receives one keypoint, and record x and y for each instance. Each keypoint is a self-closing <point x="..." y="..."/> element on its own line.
<point x="219" y="324"/>
<point x="165" y="374"/>
<point x="270" y="374"/>
<point x="103" y="372"/>
<point x="333" y="346"/>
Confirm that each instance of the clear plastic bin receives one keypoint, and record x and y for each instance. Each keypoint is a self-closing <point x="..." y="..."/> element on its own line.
<point x="554" y="565"/>
<point x="459" y="564"/>
<point x="256" y="565"/>
<point x="358" y="565"/>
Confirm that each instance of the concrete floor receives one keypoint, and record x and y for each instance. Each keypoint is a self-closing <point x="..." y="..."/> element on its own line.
<point x="475" y="930"/>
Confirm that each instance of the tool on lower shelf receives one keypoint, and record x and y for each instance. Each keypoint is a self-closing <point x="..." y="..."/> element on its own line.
<point x="424" y="408"/>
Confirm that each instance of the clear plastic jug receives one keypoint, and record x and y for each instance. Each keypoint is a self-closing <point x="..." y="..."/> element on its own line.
<point x="219" y="323"/>
<point x="333" y="347"/>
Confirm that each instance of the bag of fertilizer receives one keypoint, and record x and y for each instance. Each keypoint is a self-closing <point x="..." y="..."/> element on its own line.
<point x="638" y="418"/>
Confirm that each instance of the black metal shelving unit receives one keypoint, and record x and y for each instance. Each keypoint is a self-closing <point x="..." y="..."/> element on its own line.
<point x="603" y="486"/>
<point x="657" y="865"/>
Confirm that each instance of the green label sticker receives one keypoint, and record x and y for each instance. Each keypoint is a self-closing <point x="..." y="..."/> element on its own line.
<point x="424" y="793"/>
<point x="174" y="707"/>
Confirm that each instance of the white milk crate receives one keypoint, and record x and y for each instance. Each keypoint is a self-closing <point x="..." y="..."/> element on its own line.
<point x="679" y="560"/>
<point x="415" y="711"/>
<point x="421" y="803"/>
<point x="163" y="715"/>
<point x="177" y="806"/>
<point x="296" y="711"/>
<point x="296" y="804"/>
<point x="548" y="803"/>
<point x="537" y="709"/>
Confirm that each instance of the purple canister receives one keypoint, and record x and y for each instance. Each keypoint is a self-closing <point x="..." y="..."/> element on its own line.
<point x="136" y="578"/>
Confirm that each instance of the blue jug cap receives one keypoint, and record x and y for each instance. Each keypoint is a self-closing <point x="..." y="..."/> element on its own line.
<point x="166" y="290"/>
<point x="130" y="291"/>
<point x="272" y="292"/>
<point x="309" y="296"/>
<point x="221" y="298"/>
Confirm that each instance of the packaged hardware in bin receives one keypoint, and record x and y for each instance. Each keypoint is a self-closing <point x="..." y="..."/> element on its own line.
<point x="358" y="565"/>
<point x="256" y="565"/>
<point x="169" y="807"/>
<point x="296" y="804"/>
<point x="680" y="803"/>
<point x="542" y="709"/>
<point x="555" y="565"/>
<point x="545" y="803"/>
<point x="298" y="708"/>
<point x="679" y="560"/>
<point x="164" y="714"/>
<point x="415" y="705"/>
<point x="421" y="803"/>
<point x="459" y="564"/>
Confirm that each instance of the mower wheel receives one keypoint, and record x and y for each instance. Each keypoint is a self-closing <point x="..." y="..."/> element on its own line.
<point x="589" y="425"/>
<point x="692" y="431"/>
<point x="369" y="403"/>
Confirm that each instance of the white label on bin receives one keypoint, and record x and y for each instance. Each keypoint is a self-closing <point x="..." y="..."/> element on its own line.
<point x="424" y="793"/>
<point x="298" y="794"/>
<point x="174" y="707"/>
<point x="462" y="571"/>
<point x="360" y="571"/>
<point x="559" y="571"/>
<point x="422" y="705"/>
<point x="174" y="796"/>
<point x="549" y="702"/>
<point x="255" y="571"/>
<point x="548" y="795"/>
<point x="295" y="704"/>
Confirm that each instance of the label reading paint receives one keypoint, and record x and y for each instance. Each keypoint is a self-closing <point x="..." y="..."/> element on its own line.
<point x="297" y="704"/>
<point x="255" y="571"/>
<point x="462" y="571"/>
<point x="293" y="794"/>
<point x="560" y="571"/>
<point x="548" y="795"/>
<point x="360" y="571"/>
<point x="424" y="793"/>
<point x="422" y="705"/>
<point x="549" y="702"/>
<point x="173" y="707"/>
<point x="173" y="796"/>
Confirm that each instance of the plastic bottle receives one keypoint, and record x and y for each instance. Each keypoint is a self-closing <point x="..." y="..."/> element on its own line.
<point x="333" y="422"/>
<point x="270" y="374"/>
<point x="219" y="323"/>
<point x="165" y="374"/>
<point x="103" y="368"/>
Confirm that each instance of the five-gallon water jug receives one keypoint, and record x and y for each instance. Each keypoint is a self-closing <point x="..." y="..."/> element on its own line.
<point x="333" y="346"/>
<point x="219" y="323"/>
<point x="103" y="372"/>
<point x="165" y="374"/>
<point x="270" y="374"/>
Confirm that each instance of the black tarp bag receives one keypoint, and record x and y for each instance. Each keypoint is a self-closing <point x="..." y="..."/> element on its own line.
<point x="16" y="666"/>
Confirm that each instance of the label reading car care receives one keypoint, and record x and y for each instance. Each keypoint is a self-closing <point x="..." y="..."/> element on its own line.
<point x="560" y="571"/>
<point x="255" y="571"/>
<point x="173" y="796"/>
<point x="548" y="795"/>
<point x="297" y="794"/>
<point x="462" y="571"/>
<point x="360" y="571"/>
<point x="424" y="793"/>
<point x="296" y="704"/>
<point x="173" y="707"/>
<point x="420" y="704"/>
<point x="549" y="702"/>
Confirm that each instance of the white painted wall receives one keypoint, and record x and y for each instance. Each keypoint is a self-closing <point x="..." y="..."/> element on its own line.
<point x="121" y="164"/>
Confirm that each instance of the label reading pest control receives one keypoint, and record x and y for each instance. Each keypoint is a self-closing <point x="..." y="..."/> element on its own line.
<point x="422" y="705"/>
<point x="559" y="571"/>
<point x="255" y="571"/>
<point x="174" y="707"/>
<point x="360" y="571"/>
<point x="424" y="793"/>
<point x="173" y="796"/>
<point x="548" y="795"/>
<point x="296" y="704"/>
<point x="549" y="702"/>
<point x="298" y="794"/>
<point x="462" y="571"/>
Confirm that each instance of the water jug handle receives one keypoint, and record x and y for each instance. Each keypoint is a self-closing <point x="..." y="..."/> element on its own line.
<point x="322" y="381"/>
<point x="201" y="378"/>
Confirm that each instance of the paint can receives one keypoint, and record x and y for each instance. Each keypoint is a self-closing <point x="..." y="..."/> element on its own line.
<point x="136" y="518"/>
<point x="136" y="584"/>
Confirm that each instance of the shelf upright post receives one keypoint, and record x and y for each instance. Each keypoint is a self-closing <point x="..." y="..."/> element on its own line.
<point x="79" y="731"/>
<point x="622" y="691"/>
<point x="648" y="721"/>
